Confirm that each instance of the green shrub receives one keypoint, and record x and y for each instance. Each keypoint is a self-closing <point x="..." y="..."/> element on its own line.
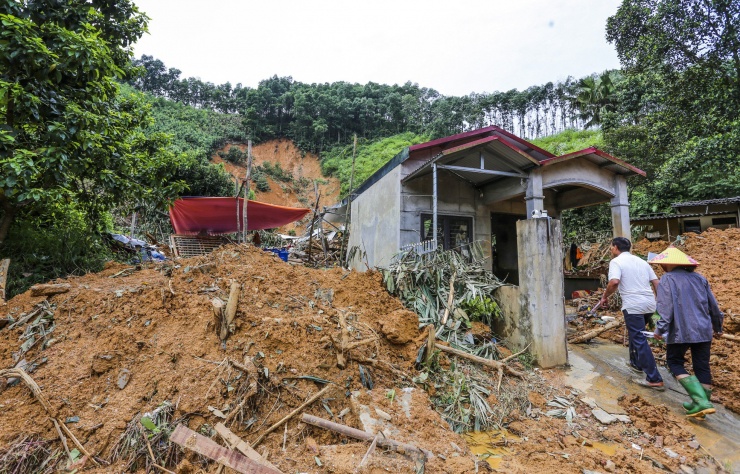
<point x="55" y="245"/>
<point x="234" y="155"/>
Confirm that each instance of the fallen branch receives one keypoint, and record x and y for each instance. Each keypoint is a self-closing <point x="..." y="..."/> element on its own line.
<point x="731" y="337"/>
<point x="362" y="435"/>
<point x="592" y="334"/>
<point x="506" y="359"/>
<point x="292" y="414"/>
<point x="188" y="438"/>
<point x="242" y="446"/>
<point x="494" y="364"/>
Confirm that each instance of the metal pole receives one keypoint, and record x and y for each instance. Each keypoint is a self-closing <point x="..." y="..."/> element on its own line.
<point x="246" y="188"/>
<point x="133" y="225"/>
<point x="668" y="229"/>
<point x="434" y="202"/>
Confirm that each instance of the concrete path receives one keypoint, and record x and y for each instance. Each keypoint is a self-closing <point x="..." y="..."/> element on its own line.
<point x="599" y="370"/>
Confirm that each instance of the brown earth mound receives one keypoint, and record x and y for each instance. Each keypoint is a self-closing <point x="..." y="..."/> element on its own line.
<point x="299" y="192"/>
<point x="126" y="341"/>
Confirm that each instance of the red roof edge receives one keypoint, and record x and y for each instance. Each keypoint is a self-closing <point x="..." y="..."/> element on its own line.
<point x="452" y="138"/>
<point x="480" y="131"/>
<point x="524" y="142"/>
<point x="595" y="151"/>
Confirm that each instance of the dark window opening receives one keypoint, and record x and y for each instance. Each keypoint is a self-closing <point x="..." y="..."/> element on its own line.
<point x="692" y="226"/>
<point x="453" y="232"/>
<point x="724" y="222"/>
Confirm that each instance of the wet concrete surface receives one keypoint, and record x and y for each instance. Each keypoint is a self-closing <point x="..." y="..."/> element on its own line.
<point x="599" y="370"/>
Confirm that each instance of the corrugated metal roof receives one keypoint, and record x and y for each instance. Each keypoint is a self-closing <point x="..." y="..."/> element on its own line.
<point x="652" y="217"/>
<point x="599" y="158"/>
<point x="498" y="155"/>
<point x="727" y="200"/>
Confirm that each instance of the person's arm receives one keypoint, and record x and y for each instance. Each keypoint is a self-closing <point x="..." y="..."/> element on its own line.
<point x="655" y="285"/>
<point x="611" y="287"/>
<point x="665" y="310"/>
<point x="714" y="312"/>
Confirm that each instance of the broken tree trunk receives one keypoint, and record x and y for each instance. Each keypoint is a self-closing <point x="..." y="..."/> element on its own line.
<point x="4" y="265"/>
<point x="362" y="435"/>
<point x="494" y="364"/>
<point x="230" y="312"/>
<point x="188" y="438"/>
<point x="50" y="289"/>
<point x="242" y="446"/>
<point x="592" y="334"/>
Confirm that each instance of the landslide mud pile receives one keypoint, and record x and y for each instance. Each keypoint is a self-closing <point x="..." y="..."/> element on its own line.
<point x="155" y="327"/>
<point x="718" y="252"/>
<point x="127" y="354"/>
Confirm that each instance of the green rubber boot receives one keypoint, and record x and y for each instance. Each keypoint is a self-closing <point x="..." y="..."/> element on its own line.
<point x="702" y="406"/>
<point x="689" y="405"/>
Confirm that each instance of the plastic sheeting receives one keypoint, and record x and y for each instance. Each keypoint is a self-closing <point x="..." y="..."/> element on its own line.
<point x="218" y="215"/>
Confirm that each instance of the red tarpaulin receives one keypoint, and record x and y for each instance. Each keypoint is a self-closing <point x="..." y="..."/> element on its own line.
<point x="217" y="215"/>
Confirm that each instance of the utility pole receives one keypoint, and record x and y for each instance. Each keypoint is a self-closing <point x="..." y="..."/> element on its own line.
<point x="246" y="189"/>
<point x="349" y="200"/>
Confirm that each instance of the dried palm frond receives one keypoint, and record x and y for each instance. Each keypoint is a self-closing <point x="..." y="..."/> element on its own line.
<point x="423" y="284"/>
<point x="29" y="455"/>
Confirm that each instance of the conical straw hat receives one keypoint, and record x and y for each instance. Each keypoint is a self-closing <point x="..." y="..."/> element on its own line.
<point x="673" y="256"/>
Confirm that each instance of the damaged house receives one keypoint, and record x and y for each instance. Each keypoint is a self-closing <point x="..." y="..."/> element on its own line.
<point x="489" y="185"/>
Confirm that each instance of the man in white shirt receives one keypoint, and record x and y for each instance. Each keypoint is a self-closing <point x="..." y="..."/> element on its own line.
<point x="633" y="277"/>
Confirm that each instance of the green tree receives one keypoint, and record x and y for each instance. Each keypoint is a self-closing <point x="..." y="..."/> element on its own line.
<point x="66" y="133"/>
<point x="679" y="108"/>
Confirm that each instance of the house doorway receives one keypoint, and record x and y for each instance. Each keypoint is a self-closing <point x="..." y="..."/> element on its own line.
<point x="504" y="250"/>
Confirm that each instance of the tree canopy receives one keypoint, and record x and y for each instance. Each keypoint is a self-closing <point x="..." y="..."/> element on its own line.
<point x="66" y="133"/>
<point x="677" y="113"/>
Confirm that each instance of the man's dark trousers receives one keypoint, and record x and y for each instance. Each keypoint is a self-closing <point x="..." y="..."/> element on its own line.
<point x="640" y="354"/>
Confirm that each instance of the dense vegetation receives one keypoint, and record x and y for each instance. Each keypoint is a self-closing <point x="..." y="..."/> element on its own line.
<point x="319" y="116"/>
<point x="370" y="156"/>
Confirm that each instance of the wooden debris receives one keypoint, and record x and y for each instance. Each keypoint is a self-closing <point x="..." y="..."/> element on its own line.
<point x="188" y="438"/>
<point x="731" y="337"/>
<point x="431" y="337"/>
<point x="494" y="364"/>
<point x="4" y="265"/>
<point x="242" y="446"/>
<point x="290" y="415"/>
<point x="592" y="334"/>
<point x="230" y="312"/>
<point x="450" y="299"/>
<point x="362" y="435"/>
<point x="50" y="289"/>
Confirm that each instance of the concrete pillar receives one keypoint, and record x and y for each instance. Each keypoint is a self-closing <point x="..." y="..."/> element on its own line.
<point x="542" y="318"/>
<point x="621" y="209"/>
<point x="534" y="196"/>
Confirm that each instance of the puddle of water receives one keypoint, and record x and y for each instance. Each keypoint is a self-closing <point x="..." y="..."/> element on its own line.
<point x="491" y="445"/>
<point x="609" y="449"/>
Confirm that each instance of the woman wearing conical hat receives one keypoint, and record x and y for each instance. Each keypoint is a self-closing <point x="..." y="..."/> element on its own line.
<point x="689" y="319"/>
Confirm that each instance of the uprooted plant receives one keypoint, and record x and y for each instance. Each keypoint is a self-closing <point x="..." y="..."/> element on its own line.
<point x="145" y="441"/>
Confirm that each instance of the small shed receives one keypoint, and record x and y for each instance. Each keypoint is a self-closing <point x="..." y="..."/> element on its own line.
<point x="691" y="216"/>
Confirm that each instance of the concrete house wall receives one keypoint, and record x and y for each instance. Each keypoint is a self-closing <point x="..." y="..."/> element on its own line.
<point x="375" y="224"/>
